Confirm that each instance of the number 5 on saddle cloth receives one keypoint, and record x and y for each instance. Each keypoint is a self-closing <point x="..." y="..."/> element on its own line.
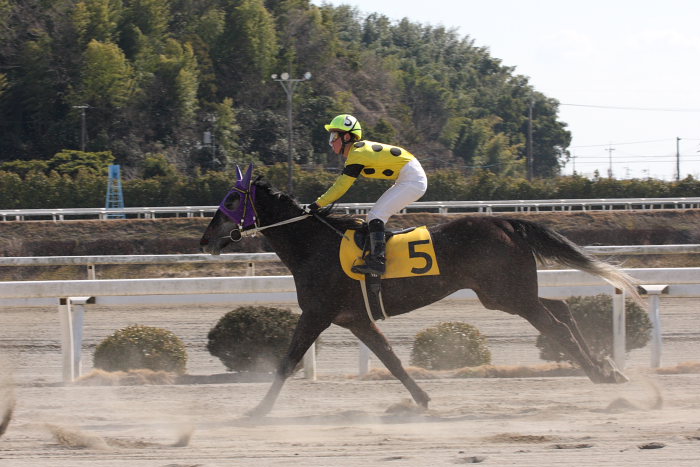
<point x="409" y="253"/>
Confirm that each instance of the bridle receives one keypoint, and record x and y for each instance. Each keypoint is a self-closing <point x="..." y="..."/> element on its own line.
<point x="245" y="216"/>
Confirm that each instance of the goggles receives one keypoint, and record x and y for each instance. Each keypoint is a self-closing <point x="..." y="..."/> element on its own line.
<point x="334" y="135"/>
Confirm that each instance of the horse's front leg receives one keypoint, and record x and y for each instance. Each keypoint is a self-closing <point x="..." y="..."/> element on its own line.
<point x="373" y="338"/>
<point x="309" y="327"/>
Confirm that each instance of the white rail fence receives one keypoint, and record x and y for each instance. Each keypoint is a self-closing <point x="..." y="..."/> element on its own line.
<point x="72" y="297"/>
<point x="489" y="207"/>
<point x="91" y="262"/>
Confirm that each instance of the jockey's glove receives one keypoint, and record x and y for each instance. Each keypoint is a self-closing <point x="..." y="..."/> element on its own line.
<point x="313" y="208"/>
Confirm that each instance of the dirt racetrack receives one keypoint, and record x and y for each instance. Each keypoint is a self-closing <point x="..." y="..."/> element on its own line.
<point x="339" y="420"/>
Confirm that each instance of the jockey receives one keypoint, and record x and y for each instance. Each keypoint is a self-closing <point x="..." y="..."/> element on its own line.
<point x="373" y="160"/>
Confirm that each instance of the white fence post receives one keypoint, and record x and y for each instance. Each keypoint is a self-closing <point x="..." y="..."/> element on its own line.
<point x="364" y="358"/>
<point x="67" y="339"/>
<point x="654" y="292"/>
<point x="619" y="332"/>
<point x="310" y="363"/>
<point x="71" y="313"/>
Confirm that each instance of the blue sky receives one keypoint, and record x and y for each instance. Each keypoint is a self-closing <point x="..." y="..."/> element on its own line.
<point x="628" y="70"/>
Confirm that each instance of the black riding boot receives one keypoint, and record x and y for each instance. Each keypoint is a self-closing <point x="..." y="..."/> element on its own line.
<point x="375" y="262"/>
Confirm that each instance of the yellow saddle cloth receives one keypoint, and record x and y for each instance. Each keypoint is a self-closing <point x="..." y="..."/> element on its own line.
<point x="408" y="254"/>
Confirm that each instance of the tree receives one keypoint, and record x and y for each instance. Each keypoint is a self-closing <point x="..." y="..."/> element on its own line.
<point x="97" y="20"/>
<point x="154" y="70"/>
<point x="4" y="83"/>
<point x="247" y="50"/>
<point x="107" y="77"/>
<point x="72" y="162"/>
<point x="226" y="131"/>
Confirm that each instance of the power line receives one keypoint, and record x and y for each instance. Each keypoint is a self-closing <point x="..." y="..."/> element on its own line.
<point x="646" y="109"/>
<point x="633" y="162"/>
<point x="620" y="144"/>
<point x="622" y="154"/>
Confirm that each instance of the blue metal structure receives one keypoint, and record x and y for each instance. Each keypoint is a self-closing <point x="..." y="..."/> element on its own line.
<point x="115" y="197"/>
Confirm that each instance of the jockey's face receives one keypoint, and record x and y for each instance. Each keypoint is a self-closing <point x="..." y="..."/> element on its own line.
<point x="336" y="140"/>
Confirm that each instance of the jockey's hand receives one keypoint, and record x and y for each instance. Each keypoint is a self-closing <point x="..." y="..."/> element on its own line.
<point x="313" y="208"/>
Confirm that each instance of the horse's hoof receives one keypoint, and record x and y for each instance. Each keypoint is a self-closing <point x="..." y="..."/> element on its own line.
<point x="257" y="412"/>
<point x="619" y="377"/>
<point x="615" y="375"/>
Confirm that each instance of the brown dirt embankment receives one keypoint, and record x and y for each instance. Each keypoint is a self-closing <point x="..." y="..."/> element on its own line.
<point x="181" y="235"/>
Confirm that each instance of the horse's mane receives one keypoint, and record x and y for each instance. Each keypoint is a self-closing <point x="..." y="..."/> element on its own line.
<point x="339" y="221"/>
<point x="343" y="221"/>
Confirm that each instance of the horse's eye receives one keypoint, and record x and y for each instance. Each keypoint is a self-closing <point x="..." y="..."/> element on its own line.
<point x="232" y="200"/>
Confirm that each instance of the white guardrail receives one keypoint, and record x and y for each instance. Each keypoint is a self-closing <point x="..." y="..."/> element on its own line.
<point x="72" y="296"/>
<point x="443" y="207"/>
<point x="90" y="262"/>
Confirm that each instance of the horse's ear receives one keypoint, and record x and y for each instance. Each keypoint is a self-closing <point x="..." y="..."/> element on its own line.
<point x="239" y="175"/>
<point x="248" y="175"/>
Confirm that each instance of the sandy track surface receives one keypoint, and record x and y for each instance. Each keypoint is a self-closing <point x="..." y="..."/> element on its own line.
<point x="339" y="420"/>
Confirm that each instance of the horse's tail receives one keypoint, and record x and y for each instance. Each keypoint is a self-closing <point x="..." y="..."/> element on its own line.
<point x="548" y="245"/>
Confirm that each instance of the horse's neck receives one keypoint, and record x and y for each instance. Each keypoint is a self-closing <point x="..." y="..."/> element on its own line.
<point x="295" y="242"/>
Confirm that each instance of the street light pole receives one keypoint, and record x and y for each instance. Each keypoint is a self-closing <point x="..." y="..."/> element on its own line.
<point x="530" y="152"/>
<point x="83" y="130"/>
<point x="678" y="158"/>
<point x="610" y="171"/>
<point x="288" y="84"/>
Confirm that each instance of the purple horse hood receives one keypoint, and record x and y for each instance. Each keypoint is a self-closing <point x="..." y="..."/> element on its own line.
<point x="244" y="215"/>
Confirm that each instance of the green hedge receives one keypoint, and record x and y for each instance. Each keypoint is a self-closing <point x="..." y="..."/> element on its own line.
<point x="252" y="338"/>
<point x="450" y="345"/>
<point x="136" y="347"/>
<point x="87" y="188"/>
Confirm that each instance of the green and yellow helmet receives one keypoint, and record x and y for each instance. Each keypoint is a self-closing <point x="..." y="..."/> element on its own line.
<point x="345" y="123"/>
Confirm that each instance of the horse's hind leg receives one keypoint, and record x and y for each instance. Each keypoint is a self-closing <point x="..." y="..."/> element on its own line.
<point x="309" y="327"/>
<point x="550" y="325"/>
<point x="562" y="312"/>
<point x="373" y="338"/>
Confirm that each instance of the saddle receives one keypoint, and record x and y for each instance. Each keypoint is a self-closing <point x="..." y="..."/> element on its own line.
<point x="362" y="236"/>
<point x="410" y="254"/>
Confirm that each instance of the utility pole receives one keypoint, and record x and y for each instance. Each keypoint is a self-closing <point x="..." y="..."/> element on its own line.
<point x="288" y="84"/>
<point x="83" y="129"/>
<point x="678" y="158"/>
<point x="610" y="172"/>
<point x="530" y="162"/>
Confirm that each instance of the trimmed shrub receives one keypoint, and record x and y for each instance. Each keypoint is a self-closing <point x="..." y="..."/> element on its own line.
<point x="137" y="347"/>
<point x="594" y="318"/>
<point x="252" y="338"/>
<point x="448" y="346"/>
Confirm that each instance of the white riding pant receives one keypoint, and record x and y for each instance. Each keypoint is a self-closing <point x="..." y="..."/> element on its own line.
<point x="409" y="187"/>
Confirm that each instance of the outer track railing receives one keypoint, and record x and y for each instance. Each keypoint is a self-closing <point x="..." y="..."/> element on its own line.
<point x="489" y="207"/>
<point x="90" y="262"/>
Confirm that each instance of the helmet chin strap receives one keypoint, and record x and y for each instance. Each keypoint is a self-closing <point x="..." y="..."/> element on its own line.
<point x="344" y="143"/>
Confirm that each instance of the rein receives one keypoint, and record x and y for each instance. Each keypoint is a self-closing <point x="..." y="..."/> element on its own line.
<point x="244" y="214"/>
<point x="252" y="232"/>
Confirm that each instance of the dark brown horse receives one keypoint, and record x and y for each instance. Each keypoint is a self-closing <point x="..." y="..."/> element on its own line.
<point x="495" y="257"/>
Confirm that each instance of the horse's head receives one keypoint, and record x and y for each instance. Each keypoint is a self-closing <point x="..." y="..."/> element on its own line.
<point x="236" y="213"/>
